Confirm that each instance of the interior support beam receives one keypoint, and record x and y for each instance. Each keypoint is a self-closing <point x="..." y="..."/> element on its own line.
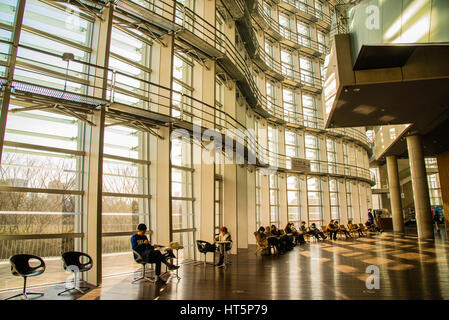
<point x="10" y="71"/>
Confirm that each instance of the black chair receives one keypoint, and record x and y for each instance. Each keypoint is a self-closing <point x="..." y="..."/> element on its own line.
<point x="138" y="259"/>
<point x="72" y="262"/>
<point x="20" y="266"/>
<point x="205" y="247"/>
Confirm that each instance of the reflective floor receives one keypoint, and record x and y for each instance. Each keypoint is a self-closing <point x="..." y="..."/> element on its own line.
<point x="408" y="269"/>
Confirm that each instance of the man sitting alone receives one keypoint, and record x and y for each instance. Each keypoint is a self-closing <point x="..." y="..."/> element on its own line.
<point x="140" y="244"/>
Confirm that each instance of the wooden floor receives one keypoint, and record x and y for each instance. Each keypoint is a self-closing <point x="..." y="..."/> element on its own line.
<point x="409" y="269"/>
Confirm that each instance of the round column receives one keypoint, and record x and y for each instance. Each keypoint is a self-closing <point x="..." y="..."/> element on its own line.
<point x="395" y="194"/>
<point x="420" y="187"/>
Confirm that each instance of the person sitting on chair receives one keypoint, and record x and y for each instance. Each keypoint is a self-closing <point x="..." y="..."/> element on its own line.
<point x="286" y="241"/>
<point x="274" y="240"/>
<point x="343" y="229"/>
<point x="370" y="224"/>
<point x="333" y="230"/>
<point x="355" y="227"/>
<point x="317" y="232"/>
<point x="299" y="237"/>
<point x="140" y="244"/>
<point x="223" y="236"/>
<point x="303" y="228"/>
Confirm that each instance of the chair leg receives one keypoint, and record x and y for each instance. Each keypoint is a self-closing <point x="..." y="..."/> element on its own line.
<point x="75" y="282"/>
<point x="24" y="291"/>
<point x="204" y="263"/>
<point x="15" y="296"/>
<point x="143" y="276"/>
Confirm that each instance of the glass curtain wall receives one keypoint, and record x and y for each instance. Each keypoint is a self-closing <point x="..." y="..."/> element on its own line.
<point x="291" y="146"/>
<point x="182" y="86"/>
<point x="312" y="149"/>
<point x="349" y="200"/>
<point x="306" y="69"/>
<point x="271" y="96"/>
<point x="274" y="200"/>
<point x="41" y="174"/>
<point x="303" y="34"/>
<point x="258" y="199"/>
<point x="315" y="200"/>
<point x="273" y="143"/>
<point x="287" y="64"/>
<point x="334" y="199"/>
<point x="294" y="200"/>
<point x="309" y="109"/>
<point x="130" y="58"/>
<point x="331" y="155"/>
<point x="290" y="105"/>
<point x="126" y="194"/>
<point x="182" y="196"/>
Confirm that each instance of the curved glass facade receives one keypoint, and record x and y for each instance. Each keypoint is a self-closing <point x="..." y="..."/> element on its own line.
<point x="104" y="105"/>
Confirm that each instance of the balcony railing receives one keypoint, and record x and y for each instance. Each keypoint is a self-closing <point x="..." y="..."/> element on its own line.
<point x="308" y="9"/>
<point x="85" y="84"/>
<point x="85" y="89"/>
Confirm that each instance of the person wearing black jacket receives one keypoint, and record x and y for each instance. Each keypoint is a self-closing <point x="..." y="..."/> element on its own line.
<point x="286" y="241"/>
<point x="299" y="237"/>
<point x="274" y="240"/>
<point x="140" y="244"/>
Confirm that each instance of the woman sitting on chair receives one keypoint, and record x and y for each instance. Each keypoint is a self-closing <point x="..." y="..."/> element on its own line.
<point x="223" y="236"/>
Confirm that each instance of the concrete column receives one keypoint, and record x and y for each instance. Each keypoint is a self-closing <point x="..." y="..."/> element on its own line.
<point x="230" y="202"/>
<point x="251" y="197"/>
<point x="395" y="194"/>
<point x="420" y="188"/>
<point x="242" y="208"/>
<point x="160" y="168"/>
<point x="206" y="166"/>
<point x="230" y="176"/>
<point x="93" y="231"/>
<point x="443" y="171"/>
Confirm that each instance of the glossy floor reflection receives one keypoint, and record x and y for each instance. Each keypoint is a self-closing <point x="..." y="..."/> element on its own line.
<point x="408" y="269"/>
